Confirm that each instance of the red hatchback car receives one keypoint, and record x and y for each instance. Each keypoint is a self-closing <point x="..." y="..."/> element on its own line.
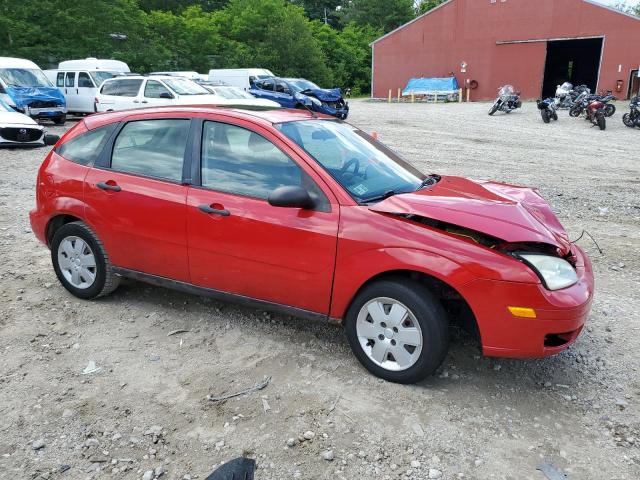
<point x="306" y="214"/>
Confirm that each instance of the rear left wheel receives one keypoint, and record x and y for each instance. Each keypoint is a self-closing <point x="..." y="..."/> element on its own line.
<point x="398" y="330"/>
<point x="601" y="120"/>
<point x="81" y="263"/>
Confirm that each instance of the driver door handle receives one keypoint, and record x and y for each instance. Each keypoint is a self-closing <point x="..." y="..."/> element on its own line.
<point x="214" y="211"/>
<point x="107" y="186"/>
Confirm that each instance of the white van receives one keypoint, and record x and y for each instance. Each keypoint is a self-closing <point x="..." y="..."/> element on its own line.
<point x="79" y="80"/>
<point x="25" y="88"/>
<point x="239" y="77"/>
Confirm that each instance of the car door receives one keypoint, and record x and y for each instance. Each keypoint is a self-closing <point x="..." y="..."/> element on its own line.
<point x="284" y="94"/>
<point x="86" y="91"/>
<point x="264" y="89"/>
<point x="128" y="93"/>
<point x="70" y="92"/>
<point x="155" y="93"/>
<point x="238" y="242"/>
<point x="135" y="197"/>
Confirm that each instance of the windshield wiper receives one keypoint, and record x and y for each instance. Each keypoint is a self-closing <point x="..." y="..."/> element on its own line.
<point x="384" y="196"/>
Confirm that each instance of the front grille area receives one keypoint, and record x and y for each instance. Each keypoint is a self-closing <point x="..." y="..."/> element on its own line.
<point x="43" y="104"/>
<point x="20" y="135"/>
<point x="339" y="105"/>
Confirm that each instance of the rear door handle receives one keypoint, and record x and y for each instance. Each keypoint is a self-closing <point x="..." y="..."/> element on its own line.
<point x="106" y="186"/>
<point x="136" y="101"/>
<point x="214" y="211"/>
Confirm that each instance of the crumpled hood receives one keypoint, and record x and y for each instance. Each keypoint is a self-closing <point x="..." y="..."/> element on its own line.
<point x="15" y="118"/>
<point x="324" y="94"/>
<point x="508" y="212"/>
<point x="22" y="96"/>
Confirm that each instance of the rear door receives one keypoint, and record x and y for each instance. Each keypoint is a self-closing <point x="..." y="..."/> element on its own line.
<point x="86" y="92"/>
<point x="238" y="243"/>
<point x="264" y="89"/>
<point x="128" y="94"/>
<point x="70" y="91"/>
<point x="136" y="200"/>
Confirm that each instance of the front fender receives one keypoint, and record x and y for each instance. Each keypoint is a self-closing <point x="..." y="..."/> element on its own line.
<point x="355" y="270"/>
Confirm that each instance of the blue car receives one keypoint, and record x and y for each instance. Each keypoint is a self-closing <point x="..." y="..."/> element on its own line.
<point x="301" y="93"/>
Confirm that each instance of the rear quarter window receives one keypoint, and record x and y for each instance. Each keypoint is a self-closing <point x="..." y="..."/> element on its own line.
<point x="85" y="148"/>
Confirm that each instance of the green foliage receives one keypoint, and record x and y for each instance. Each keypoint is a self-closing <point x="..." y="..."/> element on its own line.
<point x="384" y="14"/>
<point x="425" y="5"/>
<point x="203" y="34"/>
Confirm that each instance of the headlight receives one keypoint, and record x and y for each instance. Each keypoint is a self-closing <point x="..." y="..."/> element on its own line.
<point x="554" y="272"/>
<point x="315" y="101"/>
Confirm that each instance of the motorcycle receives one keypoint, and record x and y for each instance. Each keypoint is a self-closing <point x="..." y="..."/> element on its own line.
<point x="566" y="94"/>
<point x="507" y="101"/>
<point x="582" y="101"/>
<point x="632" y="119"/>
<point x="596" y="113"/>
<point x="547" y="109"/>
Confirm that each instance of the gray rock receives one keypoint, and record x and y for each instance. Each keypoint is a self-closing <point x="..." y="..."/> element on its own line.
<point x="308" y="435"/>
<point x="415" y="464"/>
<point x="159" y="471"/>
<point x="291" y="442"/>
<point x="38" y="444"/>
<point x="328" y="455"/>
<point x="435" y="473"/>
<point x="148" y="475"/>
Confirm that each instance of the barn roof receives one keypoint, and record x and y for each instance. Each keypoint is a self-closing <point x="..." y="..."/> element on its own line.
<point x="591" y="2"/>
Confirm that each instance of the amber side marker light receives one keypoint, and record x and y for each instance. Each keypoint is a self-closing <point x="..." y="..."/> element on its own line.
<point x="524" y="312"/>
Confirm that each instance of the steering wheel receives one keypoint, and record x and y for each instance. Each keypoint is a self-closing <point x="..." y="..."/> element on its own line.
<point x="353" y="161"/>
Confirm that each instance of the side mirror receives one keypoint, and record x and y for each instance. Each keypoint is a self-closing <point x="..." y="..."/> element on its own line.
<point x="166" y="95"/>
<point x="51" y="139"/>
<point x="291" y="197"/>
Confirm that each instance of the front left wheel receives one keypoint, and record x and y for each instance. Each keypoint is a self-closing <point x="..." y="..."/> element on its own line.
<point x="81" y="263"/>
<point x="398" y="330"/>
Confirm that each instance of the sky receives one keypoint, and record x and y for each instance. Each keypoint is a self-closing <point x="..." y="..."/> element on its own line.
<point x="613" y="2"/>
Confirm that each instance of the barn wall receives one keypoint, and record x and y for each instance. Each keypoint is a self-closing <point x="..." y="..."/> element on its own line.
<point x="469" y="30"/>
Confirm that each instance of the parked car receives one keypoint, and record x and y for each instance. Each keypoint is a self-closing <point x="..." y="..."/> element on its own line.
<point x="192" y="75"/>
<point x="300" y="93"/>
<point x="237" y="95"/>
<point x="239" y="77"/>
<point x="18" y="130"/>
<point x="79" y="80"/>
<point x="138" y="91"/>
<point x="300" y="213"/>
<point x="24" y="87"/>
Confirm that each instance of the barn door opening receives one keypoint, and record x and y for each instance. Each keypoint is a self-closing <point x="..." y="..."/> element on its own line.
<point x="575" y="61"/>
<point x="634" y="84"/>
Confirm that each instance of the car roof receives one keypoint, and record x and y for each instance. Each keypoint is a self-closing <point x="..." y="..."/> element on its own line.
<point x="258" y="115"/>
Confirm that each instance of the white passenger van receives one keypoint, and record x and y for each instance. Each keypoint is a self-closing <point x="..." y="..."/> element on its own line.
<point x="239" y="77"/>
<point x="79" y="80"/>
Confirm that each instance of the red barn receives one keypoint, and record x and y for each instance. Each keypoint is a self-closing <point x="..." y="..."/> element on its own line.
<point x="532" y="44"/>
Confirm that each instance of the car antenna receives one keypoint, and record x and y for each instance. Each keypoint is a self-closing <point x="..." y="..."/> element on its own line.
<point x="313" y="114"/>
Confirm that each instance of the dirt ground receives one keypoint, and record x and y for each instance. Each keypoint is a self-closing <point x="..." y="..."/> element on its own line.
<point x="146" y="409"/>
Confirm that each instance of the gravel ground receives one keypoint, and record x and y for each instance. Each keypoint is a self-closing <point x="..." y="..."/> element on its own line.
<point x="146" y="409"/>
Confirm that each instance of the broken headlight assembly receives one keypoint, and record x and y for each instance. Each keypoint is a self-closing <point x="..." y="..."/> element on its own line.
<point x="554" y="272"/>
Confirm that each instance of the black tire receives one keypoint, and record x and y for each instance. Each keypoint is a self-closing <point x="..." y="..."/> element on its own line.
<point x="494" y="108"/>
<point x="546" y="118"/>
<point x="601" y="120"/>
<point x="105" y="281"/>
<point x="627" y="120"/>
<point x="555" y="116"/>
<point x="61" y="120"/>
<point x="428" y="312"/>
<point x="609" y="109"/>
<point x="575" y="111"/>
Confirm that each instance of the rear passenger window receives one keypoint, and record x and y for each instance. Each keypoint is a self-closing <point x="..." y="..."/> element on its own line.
<point x="60" y="79"/>
<point x="85" y="148"/>
<point x="265" y="84"/>
<point x="153" y="148"/>
<point x="128" y="88"/>
<point x="109" y="88"/>
<point x="70" y="80"/>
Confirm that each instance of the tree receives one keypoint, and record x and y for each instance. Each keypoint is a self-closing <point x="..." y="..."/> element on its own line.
<point x="622" y="6"/>
<point x="384" y="14"/>
<point x="318" y="9"/>
<point x="425" y="5"/>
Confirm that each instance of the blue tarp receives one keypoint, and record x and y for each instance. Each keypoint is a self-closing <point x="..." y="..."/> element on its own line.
<point x="421" y="86"/>
<point x="23" y="96"/>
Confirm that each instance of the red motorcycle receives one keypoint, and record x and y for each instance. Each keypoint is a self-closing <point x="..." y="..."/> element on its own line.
<point x="596" y="113"/>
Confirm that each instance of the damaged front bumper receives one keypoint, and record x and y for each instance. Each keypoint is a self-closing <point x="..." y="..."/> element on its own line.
<point x="559" y="315"/>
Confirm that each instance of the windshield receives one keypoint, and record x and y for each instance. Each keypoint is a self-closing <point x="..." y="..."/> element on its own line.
<point x="365" y="168"/>
<point x="24" y="77"/>
<point x="299" y="84"/>
<point x="101" y="76"/>
<point x="184" y="86"/>
<point x="231" y="92"/>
